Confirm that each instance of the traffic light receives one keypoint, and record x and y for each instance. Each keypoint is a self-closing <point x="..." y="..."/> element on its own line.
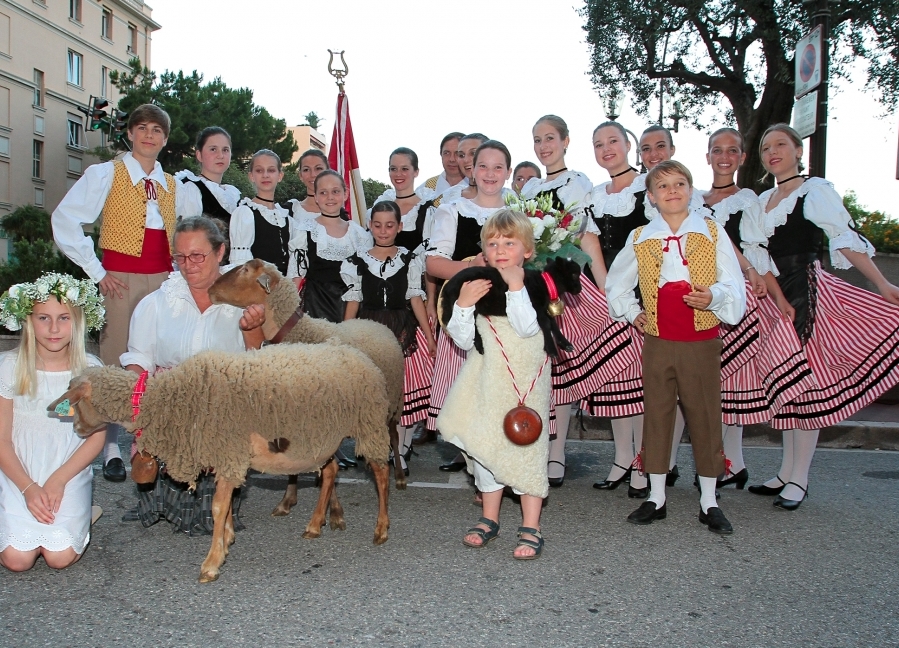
<point x="97" y="114"/>
<point x="119" y="123"/>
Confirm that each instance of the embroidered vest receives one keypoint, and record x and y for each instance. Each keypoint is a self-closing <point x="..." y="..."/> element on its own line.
<point x="700" y="254"/>
<point x="125" y="212"/>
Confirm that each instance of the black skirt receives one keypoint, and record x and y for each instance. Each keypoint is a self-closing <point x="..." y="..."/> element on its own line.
<point x="798" y="282"/>
<point x="324" y="300"/>
<point x="402" y="322"/>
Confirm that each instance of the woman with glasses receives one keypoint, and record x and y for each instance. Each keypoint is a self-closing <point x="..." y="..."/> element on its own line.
<point x="169" y="326"/>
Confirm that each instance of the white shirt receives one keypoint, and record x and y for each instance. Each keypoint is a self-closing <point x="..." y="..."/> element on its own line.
<point x="190" y="200"/>
<point x="83" y="204"/>
<point x="521" y="314"/>
<point x="728" y="293"/>
<point x="167" y="328"/>
<point x="617" y="204"/>
<point x="410" y="219"/>
<point x="441" y="186"/>
<point x="242" y="230"/>
<point x="572" y="187"/>
<point x="446" y="224"/>
<point x="349" y="271"/>
<point x="751" y="233"/>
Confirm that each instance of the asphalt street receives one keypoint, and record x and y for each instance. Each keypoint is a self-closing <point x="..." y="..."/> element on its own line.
<point x="824" y="575"/>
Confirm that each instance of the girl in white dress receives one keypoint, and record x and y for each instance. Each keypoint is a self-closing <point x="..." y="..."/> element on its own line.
<point x="45" y="473"/>
<point x="312" y="163"/>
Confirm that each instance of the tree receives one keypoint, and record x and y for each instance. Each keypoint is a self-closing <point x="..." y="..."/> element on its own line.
<point x="741" y="51"/>
<point x="312" y="120"/>
<point x="373" y="189"/>
<point x="877" y="227"/>
<point x="193" y="105"/>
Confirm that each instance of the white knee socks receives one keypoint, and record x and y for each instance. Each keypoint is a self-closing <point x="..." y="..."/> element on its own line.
<point x="111" y="449"/>
<point x="786" y="463"/>
<point x="732" y="436"/>
<point x="707" y="493"/>
<point x="623" y="436"/>
<point x="557" y="446"/>
<point x="657" y="490"/>
<point x="804" y="444"/>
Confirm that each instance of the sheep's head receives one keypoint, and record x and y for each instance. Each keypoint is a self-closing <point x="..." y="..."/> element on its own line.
<point x="247" y="284"/>
<point x="87" y="419"/>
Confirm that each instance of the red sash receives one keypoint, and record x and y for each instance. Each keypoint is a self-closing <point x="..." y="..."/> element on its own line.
<point x="155" y="256"/>
<point x="675" y="318"/>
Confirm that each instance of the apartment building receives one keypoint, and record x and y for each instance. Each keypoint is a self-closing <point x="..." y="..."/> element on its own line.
<point x="306" y="138"/>
<point x="55" y="54"/>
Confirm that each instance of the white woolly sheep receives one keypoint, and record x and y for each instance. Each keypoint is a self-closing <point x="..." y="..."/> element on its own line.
<point x="258" y="282"/>
<point x="260" y="409"/>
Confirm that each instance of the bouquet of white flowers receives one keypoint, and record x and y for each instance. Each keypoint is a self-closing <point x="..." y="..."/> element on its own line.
<point x="556" y="232"/>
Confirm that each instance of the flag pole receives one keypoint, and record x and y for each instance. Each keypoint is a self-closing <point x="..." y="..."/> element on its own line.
<point x="342" y="156"/>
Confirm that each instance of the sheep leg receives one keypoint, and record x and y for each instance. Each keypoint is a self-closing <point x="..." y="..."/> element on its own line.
<point x="221" y="511"/>
<point x="337" y="521"/>
<point x="399" y="474"/>
<point x="329" y="474"/>
<point x="382" y="481"/>
<point x="290" y="498"/>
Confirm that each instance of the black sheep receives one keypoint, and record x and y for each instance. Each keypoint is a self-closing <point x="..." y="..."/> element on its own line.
<point x="564" y="273"/>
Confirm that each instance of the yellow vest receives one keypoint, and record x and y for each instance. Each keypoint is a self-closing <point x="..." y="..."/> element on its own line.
<point x="125" y="212"/>
<point x="700" y="253"/>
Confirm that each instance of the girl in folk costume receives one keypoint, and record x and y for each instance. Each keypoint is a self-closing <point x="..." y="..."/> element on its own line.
<point x="596" y="339"/>
<point x="690" y="281"/>
<point x="455" y="245"/>
<point x="321" y="245"/>
<point x="511" y="371"/>
<point x="205" y="193"/>
<point x="138" y="204"/>
<point x="261" y="228"/>
<point x="385" y="285"/>
<point x="523" y="172"/>
<point x="311" y="164"/>
<point x="656" y="146"/>
<point x="465" y="150"/>
<point x="799" y="217"/>
<point x="762" y="366"/>
<point x="45" y="472"/>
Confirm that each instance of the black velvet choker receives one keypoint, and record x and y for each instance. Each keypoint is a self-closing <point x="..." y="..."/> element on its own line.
<point x="780" y="182"/>
<point x="330" y="215"/>
<point x="263" y="199"/>
<point x="552" y="173"/>
<point x="404" y="197"/>
<point x="723" y="186"/>
<point x="627" y="170"/>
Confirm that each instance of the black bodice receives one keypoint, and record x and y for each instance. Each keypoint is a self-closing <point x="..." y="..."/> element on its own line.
<point x="468" y="238"/>
<point x="798" y="236"/>
<point x="411" y="239"/>
<point x="384" y="293"/>
<point x="211" y="205"/>
<point x="270" y="242"/>
<point x="614" y="230"/>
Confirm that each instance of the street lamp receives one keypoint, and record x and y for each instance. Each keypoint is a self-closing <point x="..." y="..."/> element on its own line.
<point x="677" y="115"/>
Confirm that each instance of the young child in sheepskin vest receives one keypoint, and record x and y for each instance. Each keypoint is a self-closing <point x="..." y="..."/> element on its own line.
<point x="487" y="387"/>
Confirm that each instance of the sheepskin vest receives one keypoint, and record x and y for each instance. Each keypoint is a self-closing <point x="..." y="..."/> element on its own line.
<point x="125" y="212"/>
<point x="700" y="254"/>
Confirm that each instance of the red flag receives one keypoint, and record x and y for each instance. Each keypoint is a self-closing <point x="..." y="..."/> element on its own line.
<point x="342" y="158"/>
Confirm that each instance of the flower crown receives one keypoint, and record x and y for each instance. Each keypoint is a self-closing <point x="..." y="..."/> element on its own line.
<point x="17" y="303"/>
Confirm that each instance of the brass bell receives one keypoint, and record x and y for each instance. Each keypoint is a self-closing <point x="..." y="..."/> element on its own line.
<point x="555" y="308"/>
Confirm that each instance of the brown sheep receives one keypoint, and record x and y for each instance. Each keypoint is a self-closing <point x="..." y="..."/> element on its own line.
<point x="258" y="282"/>
<point x="232" y="412"/>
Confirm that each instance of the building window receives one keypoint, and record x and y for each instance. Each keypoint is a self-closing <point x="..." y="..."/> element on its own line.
<point x="75" y="10"/>
<point x="106" y="24"/>
<point x="104" y="80"/>
<point x="38" y="125"/>
<point x="4" y="146"/>
<point x="75" y="67"/>
<point x="76" y="131"/>
<point x="75" y="165"/>
<point x="37" y="166"/>
<point x="132" y="39"/>
<point x="39" y="88"/>
<point x="38" y="197"/>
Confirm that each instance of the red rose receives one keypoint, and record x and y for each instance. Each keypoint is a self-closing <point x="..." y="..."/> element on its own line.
<point x="566" y="221"/>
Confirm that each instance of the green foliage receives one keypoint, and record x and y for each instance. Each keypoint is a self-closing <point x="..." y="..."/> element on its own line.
<point x="291" y="186"/>
<point x="373" y="188"/>
<point x="28" y="223"/>
<point x="193" y="104"/>
<point x="312" y="120"/>
<point x="879" y="228"/>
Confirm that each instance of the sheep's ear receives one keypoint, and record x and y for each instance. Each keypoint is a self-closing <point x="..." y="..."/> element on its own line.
<point x="266" y="282"/>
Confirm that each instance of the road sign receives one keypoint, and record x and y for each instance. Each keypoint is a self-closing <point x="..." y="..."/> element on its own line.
<point x="808" y="62"/>
<point x="805" y="114"/>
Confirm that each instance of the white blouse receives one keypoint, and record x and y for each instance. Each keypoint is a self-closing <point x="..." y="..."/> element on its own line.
<point x="356" y="241"/>
<point x="446" y="224"/>
<point x="409" y="220"/>
<point x="349" y="271"/>
<point x="519" y="310"/>
<point x="747" y="201"/>
<point x="190" y="200"/>
<point x="823" y="207"/>
<point x="614" y="204"/>
<point x="167" y="328"/>
<point x="728" y="293"/>
<point x="243" y="230"/>
<point x="573" y="189"/>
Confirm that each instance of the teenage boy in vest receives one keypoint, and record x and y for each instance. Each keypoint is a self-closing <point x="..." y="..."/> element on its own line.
<point x="136" y="201"/>
<point x="690" y="281"/>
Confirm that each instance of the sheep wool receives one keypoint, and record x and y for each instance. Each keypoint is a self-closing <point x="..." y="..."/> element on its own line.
<point x="482" y="395"/>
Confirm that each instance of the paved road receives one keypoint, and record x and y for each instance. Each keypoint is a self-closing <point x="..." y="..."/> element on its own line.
<point x="822" y="576"/>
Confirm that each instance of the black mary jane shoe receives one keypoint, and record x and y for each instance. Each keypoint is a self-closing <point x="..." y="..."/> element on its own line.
<point x="671" y="477"/>
<point x="638" y="493"/>
<point x="738" y="479"/>
<point x="715" y="520"/>
<point x="612" y="484"/>
<point x="452" y="466"/>
<point x="647" y="513"/>
<point x="791" y="505"/>
<point x="555" y="482"/>
<point x="114" y="470"/>
<point x="761" y="489"/>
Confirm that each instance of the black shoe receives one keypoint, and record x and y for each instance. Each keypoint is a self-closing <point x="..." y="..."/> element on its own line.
<point x="612" y="484"/>
<point x="647" y="513"/>
<point x="131" y="515"/>
<point x="638" y="493"/>
<point x="423" y="435"/>
<point x="737" y="479"/>
<point x="791" y="505"/>
<point x="114" y="470"/>
<point x="453" y="466"/>
<point x="555" y="482"/>
<point x="672" y="476"/>
<point x="761" y="489"/>
<point x="716" y="521"/>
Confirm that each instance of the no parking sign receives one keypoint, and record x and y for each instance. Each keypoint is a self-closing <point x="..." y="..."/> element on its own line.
<point x="808" y="62"/>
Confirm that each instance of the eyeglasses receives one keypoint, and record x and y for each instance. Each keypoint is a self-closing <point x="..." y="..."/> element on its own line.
<point x="195" y="258"/>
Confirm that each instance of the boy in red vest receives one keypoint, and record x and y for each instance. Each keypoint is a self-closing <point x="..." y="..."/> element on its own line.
<point x="136" y="200"/>
<point x="690" y="281"/>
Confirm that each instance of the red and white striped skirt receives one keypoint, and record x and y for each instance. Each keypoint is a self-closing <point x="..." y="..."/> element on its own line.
<point x="853" y="353"/>
<point x="417" y="380"/>
<point x="622" y="395"/>
<point x="449" y="361"/>
<point x="603" y="348"/>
